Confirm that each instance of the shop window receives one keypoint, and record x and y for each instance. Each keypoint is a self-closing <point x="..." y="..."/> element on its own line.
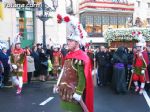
<point x="113" y="21"/>
<point x="89" y="25"/>
<point x="121" y="22"/>
<point x="37" y="1"/>
<point x="29" y="25"/>
<point x="21" y="24"/>
<point x="25" y="24"/>
<point x="21" y="1"/>
<point x="105" y="19"/>
<point x="97" y="27"/>
<point x="148" y="20"/>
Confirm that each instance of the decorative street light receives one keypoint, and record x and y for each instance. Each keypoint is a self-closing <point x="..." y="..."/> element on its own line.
<point x="43" y="15"/>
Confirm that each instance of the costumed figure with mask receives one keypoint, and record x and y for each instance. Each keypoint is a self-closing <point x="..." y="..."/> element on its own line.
<point x="56" y="60"/>
<point x="19" y="65"/>
<point x="75" y="85"/>
<point x="140" y="62"/>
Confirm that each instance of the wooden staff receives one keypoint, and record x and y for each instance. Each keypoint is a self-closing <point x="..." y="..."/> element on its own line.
<point x="130" y="82"/>
<point x="84" y="107"/>
<point x="94" y="78"/>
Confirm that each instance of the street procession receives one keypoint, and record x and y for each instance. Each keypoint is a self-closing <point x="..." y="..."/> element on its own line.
<point x="74" y="55"/>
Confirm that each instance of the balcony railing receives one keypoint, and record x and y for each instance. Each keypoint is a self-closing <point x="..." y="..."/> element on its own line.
<point x="98" y="4"/>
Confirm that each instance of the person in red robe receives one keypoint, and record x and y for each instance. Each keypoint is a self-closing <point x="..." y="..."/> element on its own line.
<point x="139" y="71"/>
<point x="18" y="65"/>
<point x="75" y="84"/>
<point x="56" y="60"/>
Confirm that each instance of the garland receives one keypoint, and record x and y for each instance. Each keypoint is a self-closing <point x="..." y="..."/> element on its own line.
<point x="126" y="34"/>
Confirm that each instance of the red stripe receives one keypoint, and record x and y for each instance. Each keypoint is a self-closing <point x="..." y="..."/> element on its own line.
<point x="98" y="2"/>
<point x="93" y="7"/>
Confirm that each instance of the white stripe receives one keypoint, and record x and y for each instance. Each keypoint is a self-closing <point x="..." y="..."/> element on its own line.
<point x="146" y="98"/>
<point x="46" y="101"/>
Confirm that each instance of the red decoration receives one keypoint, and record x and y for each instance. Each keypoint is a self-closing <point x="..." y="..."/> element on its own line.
<point x="20" y="33"/>
<point x="87" y="44"/>
<point x="133" y="33"/>
<point x="139" y="33"/>
<point x="66" y="19"/>
<point x="59" y="18"/>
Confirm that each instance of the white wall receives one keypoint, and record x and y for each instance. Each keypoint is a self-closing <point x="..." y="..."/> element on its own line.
<point x="143" y="10"/>
<point x="8" y="24"/>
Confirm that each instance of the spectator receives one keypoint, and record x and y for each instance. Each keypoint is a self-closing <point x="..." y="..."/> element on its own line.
<point x="31" y="67"/>
<point x="43" y="65"/>
<point x="119" y="77"/>
<point x="64" y="50"/>
<point x="4" y="58"/>
<point x="1" y="72"/>
<point x="50" y="66"/>
<point x="35" y="55"/>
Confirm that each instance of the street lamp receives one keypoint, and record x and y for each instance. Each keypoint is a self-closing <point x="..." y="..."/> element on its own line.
<point x="43" y="15"/>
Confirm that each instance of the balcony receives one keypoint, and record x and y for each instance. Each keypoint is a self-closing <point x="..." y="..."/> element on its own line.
<point x="98" y="5"/>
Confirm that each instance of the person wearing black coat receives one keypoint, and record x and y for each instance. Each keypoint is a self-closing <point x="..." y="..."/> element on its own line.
<point x="119" y="61"/>
<point x="101" y="60"/>
<point x="43" y="65"/>
<point x="35" y="55"/>
<point x="4" y="57"/>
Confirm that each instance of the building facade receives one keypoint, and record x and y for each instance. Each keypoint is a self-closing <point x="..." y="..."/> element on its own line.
<point x="99" y="15"/>
<point x="18" y="19"/>
<point x="95" y="15"/>
<point x="142" y="9"/>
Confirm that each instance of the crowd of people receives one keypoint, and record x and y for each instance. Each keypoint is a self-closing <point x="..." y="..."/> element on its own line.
<point x="43" y="64"/>
<point x="123" y="68"/>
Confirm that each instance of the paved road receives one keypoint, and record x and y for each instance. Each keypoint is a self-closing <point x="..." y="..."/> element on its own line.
<point x="36" y="93"/>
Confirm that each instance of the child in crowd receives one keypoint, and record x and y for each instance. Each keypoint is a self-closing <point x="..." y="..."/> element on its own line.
<point x="50" y="66"/>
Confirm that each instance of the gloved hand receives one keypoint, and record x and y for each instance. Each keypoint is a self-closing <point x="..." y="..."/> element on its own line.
<point x="55" y="89"/>
<point x="132" y="70"/>
<point x="14" y="66"/>
<point x="142" y="71"/>
<point x="59" y="68"/>
<point x="77" y="97"/>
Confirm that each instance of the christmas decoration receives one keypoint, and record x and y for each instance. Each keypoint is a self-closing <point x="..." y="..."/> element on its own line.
<point x="126" y="34"/>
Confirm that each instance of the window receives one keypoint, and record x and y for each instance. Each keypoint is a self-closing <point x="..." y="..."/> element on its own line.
<point x="148" y="20"/>
<point x="97" y="28"/>
<point x="89" y="25"/>
<point x="105" y="22"/>
<point x="148" y="5"/>
<point x="121" y="21"/>
<point x="25" y="24"/>
<point x="29" y="25"/>
<point x="113" y="21"/>
<point x="139" y="3"/>
<point x="95" y="25"/>
<point x="105" y="19"/>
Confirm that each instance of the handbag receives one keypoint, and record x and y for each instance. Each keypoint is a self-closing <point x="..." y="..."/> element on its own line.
<point x="45" y="63"/>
